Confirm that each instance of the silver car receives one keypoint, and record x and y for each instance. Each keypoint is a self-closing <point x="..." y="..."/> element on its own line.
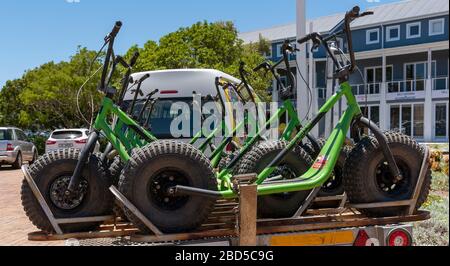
<point x="15" y="148"/>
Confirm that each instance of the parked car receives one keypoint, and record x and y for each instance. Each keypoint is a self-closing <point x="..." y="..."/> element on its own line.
<point x="68" y="138"/>
<point x="15" y="148"/>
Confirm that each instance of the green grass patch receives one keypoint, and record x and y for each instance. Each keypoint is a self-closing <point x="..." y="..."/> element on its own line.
<point x="440" y="182"/>
<point x="434" y="232"/>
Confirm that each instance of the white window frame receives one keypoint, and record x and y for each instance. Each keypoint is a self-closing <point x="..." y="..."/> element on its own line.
<point x="368" y="32"/>
<point x="413" y="106"/>
<point x="435" y="104"/>
<point x="442" y="20"/>
<point x="278" y="50"/>
<point x="388" y="33"/>
<point x="408" y="30"/>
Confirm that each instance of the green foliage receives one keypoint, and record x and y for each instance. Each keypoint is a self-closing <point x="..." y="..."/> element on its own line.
<point x="434" y="232"/>
<point x="45" y="97"/>
<point x="205" y="45"/>
<point x="39" y="142"/>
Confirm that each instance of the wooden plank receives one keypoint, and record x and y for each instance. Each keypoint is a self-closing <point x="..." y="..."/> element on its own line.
<point x="85" y="220"/>
<point x="41" y="200"/>
<point x="380" y="204"/>
<point x="248" y="196"/>
<point x="331" y="198"/>
<point x="41" y="236"/>
<point x="346" y="223"/>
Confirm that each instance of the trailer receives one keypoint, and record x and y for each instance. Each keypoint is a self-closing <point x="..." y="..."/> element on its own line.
<point x="235" y="223"/>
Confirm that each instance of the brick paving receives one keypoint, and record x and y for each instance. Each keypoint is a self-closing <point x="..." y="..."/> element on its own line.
<point x="14" y="224"/>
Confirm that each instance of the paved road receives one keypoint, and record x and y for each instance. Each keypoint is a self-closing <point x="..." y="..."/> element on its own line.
<point x="14" y="224"/>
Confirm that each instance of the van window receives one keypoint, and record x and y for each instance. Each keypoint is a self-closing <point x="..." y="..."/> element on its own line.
<point x="5" y="134"/>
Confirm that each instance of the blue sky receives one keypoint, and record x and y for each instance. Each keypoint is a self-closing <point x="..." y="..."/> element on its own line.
<point x="37" y="31"/>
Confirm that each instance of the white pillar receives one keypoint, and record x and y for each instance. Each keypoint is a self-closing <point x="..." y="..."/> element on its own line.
<point x="275" y="97"/>
<point x="330" y="83"/>
<point x="428" y="115"/>
<point x="384" y="117"/>
<point x="302" y="92"/>
<point x="312" y="84"/>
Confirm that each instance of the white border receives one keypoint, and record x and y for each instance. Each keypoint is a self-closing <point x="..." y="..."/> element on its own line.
<point x="368" y="32"/>
<point x="388" y="33"/>
<point x="442" y="20"/>
<point x="435" y="104"/>
<point x="408" y="29"/>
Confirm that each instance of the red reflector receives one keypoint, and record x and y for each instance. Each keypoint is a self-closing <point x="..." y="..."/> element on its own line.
<point x="399" y="238"/>
<point x="229" y="147"/>
<point x="9" y="147"/>
<point x="81" y="141"/>
<point x="362" y="239"/>
<point x="169" y="92"/>
<point x="50" y="142"/>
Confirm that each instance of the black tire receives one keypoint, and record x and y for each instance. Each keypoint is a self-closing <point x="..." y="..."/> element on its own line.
<point x="19" y="161"/>
<point x="35" y="157"/>
<point x="227" y="160"/>
<point x="60" y="165"/>
<point x="297" y="162"/>
<point x="335" y="185"/>
<point x="114" y="171"/>
<point x="368" y="180"/>
<point x="309" y="147"/>
<point x="153" y="170"/>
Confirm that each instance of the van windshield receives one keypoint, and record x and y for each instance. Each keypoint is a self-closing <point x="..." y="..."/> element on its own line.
<point x="163" y="114"/>
<point x="5" y="134"/>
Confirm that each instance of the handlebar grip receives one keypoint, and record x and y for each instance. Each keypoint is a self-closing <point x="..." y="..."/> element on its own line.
<point x="120" y="60"/>
<point x="261" y="66"/>
<point x="134" y="59"/>
<point x="116" y="29"/>
<point x="146" y="76"/>
<point x="305" y="39"/>
<point x="354" y="13"/>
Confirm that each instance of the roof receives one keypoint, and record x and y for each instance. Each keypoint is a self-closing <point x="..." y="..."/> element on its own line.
<point x="383" y="14"/>
<point x="184" y="81"/>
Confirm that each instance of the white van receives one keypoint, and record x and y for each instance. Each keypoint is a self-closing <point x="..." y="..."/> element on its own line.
<point x="175" y="86"/>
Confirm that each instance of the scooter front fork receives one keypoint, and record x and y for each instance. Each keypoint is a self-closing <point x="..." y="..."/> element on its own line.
<point x="382" y="140"/>
<point x="84" y="157"/>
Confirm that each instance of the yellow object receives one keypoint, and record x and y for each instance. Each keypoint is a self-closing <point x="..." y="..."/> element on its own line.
<point x="322" y="239"/>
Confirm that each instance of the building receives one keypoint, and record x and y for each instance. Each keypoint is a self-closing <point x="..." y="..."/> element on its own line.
<point x="403" y="54"/>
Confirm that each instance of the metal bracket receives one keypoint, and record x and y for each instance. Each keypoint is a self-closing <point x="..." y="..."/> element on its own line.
<point x="135" y="211"/>
<point x="53" y="221"/>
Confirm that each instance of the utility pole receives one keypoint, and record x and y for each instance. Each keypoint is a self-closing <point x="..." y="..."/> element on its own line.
<point x="303" y="101"/>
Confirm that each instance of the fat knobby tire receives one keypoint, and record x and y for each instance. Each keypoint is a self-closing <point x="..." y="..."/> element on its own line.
<point x="277" y="206"/>
<point x="360" y="173"/>
<point x="159" y="157"/>
<point x="97" y="200"/>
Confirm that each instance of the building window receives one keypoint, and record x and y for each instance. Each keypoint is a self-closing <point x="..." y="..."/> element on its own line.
<point x="393" y="33"/>
<point x="441" y="121"/>
<point x="278" y="52"/>
<point x="372" y="36"/>
<point x="436" y="27"/>
<point x="413" y="30"/>
<point x="408" y="119"/>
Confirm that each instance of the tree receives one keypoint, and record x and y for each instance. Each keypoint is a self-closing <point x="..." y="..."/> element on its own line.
<point x="205" y="45"/>
<point x="46" y="97"/>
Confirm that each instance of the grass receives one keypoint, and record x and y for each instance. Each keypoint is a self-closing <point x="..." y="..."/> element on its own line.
<point x="435" y="232"/>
